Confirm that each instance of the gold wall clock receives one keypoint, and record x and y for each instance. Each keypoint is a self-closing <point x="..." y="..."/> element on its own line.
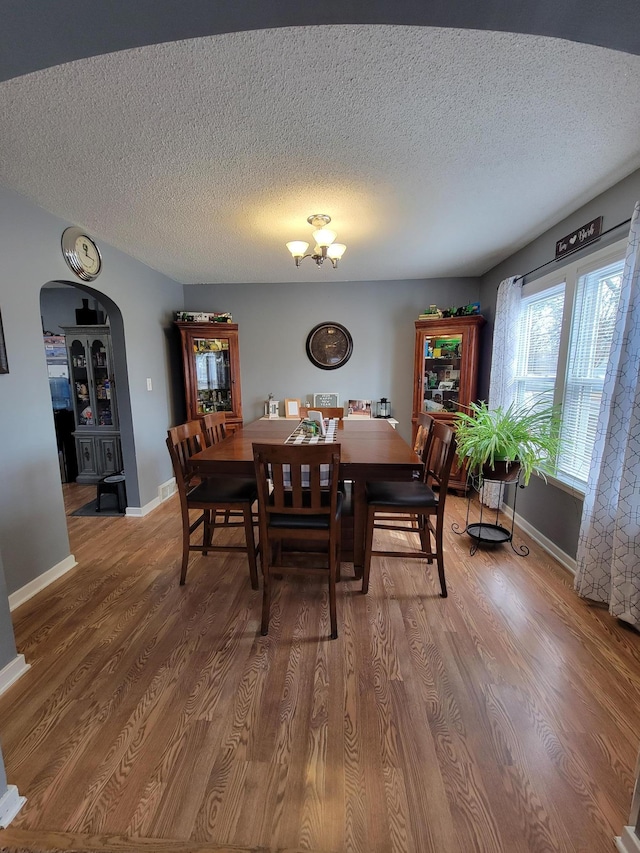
<point x="81" y="254"/>
<point x="329" y="345"/>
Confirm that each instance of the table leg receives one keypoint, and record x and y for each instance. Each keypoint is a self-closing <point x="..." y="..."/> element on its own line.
<point x="359" y="525"/>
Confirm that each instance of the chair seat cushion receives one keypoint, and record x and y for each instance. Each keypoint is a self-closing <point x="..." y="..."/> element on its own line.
<point x="309" y="522"/>
<point x="224" y="490"/>
<point x="409" y="494"/>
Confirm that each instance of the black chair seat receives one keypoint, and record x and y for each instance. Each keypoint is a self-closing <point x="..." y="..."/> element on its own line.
<point x="224" y="490"/>
<point x="311" y="521"/>
<point x="409" y="494"/>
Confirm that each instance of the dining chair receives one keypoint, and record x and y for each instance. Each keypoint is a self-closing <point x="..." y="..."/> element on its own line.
<point x="417" y="497"/>
<point x="299" y="508"/>
<point x="214" y="427"/>
<point x="327" y="411"/>
<point x="231" y="496"/>
<point x="423" y="436"/>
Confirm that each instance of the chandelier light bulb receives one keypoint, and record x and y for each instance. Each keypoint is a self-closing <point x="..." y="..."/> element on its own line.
<point x="297" y="248"/>
<point x="324" y="237"/>
<point x="336" y="251"/>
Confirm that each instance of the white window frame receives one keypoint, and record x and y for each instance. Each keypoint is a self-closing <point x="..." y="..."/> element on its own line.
<point x="569" y="274"/>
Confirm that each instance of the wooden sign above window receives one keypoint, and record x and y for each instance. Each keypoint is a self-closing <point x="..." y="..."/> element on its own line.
<point x="580" y="237"/>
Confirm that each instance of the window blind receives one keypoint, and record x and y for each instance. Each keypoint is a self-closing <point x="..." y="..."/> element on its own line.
<point x="538" y="343"/>
<point x="593" y="321"/>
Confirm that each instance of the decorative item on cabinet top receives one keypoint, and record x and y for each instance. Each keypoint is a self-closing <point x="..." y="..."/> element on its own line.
<point x="200" y="317"/>
<point x="435" y="313"/>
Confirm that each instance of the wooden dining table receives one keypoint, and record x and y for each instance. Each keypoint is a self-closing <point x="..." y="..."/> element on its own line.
<point x="370" y="450"/>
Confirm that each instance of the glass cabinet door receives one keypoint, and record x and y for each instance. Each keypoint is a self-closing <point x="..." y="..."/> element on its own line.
<point x="443" y="358"/>
<point x="103" y="415"/>
<point x="91" y="382"/>
<point x="80" y="384"/>
<point x="213" y="375"/>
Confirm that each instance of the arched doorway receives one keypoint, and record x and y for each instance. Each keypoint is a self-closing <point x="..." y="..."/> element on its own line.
<point x="59" y="301"/>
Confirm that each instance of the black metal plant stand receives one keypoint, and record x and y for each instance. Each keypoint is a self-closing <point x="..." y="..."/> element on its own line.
<point x="490" y="533"/>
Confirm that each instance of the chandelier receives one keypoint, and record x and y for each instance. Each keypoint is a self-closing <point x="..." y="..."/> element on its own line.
<point x="325" y="248"/>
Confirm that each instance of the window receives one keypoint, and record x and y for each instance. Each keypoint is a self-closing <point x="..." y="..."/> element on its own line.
<point x="538" y="346"/>
<point x="564" y="338"/>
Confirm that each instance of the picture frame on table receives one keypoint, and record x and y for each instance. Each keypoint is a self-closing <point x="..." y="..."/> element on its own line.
<point x="327" y="399"/>
<point x="359" y="408"/>
<point x="446" y="385"/>
<point x="292" y="408"/>
<point x="4" y="363"/>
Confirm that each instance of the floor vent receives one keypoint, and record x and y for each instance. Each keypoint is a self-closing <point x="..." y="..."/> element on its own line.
<point x="167" y="489"/>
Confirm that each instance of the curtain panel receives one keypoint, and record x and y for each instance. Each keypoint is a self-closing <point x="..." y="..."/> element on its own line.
<point x="608" y="557"/>
<point x="503" y="363"/>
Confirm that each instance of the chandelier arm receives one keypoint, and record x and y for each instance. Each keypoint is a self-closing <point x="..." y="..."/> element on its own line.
<point x="301" y="258"/>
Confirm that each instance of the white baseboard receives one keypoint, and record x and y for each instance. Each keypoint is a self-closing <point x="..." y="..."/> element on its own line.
<point x="550" y="547"/>
<point x="628" y="842"/>
<point x="12" y="672"/>
<point x="10" y="804"/>
<point x="141" y="511"/>
<point x="30" y="589"/>
<point x="165" y="490"/>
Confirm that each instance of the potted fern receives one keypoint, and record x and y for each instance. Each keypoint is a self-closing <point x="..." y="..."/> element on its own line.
<point x="501" y="444"/>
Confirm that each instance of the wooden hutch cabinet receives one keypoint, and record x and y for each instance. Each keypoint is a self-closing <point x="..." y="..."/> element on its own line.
<point x="446" y="372"/>
<point x="211" y="364"/>
<point x="97" y="435"/>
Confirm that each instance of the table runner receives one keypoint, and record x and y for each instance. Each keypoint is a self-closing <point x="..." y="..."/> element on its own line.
<point x="299" y="436"/>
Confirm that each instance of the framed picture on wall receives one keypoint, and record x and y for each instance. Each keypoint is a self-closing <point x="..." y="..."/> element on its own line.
<point x="4" y="364"/>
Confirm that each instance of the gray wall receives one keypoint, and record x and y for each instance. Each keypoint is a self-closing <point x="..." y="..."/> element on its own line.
<point x="58" y="307"/>
<point x="552" y="511"/>
<point x="33" y="531"/>
<point x="7" y="651"/>
<point x="274" y="320"/>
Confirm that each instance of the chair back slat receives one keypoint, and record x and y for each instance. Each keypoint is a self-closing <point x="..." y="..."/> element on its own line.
<point x="439" y="455"/>
<point x="300" y="480"/>
<point x="423" y="434"/>
<point x="214" y="427"/>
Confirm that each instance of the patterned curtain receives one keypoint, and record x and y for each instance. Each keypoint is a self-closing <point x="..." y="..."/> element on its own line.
<point x="608" y="558"/>
<point x="503" y="362"/>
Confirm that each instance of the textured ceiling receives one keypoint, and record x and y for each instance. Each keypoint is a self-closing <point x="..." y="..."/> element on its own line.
<point x="437" y="152"/>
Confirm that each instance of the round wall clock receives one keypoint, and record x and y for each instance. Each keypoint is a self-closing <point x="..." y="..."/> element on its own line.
<point x="329" y="345"/>
<point x="81" y="254"/>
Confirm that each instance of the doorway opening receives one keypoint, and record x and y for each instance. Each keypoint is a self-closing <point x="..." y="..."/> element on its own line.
<point x="84" y="350"/>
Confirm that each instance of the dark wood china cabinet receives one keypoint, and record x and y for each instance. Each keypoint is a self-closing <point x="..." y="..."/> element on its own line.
<point x="211" y="365"/>
<point x="447" y="352"/>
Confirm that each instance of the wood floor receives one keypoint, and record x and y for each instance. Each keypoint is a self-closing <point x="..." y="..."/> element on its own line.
<point x="503" y="718"/>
